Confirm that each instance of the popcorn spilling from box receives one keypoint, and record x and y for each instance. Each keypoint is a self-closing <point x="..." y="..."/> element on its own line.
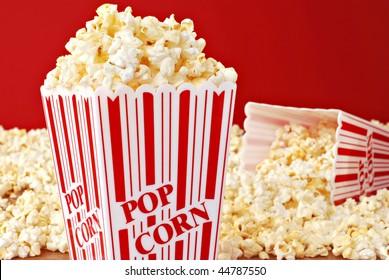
<point x="283" y="208"/>
<point x="360" y="151"/>
<point x="30" y="210"/>
<point x="118" y="48"/>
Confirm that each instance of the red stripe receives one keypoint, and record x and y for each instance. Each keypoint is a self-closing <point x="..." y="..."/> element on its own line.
<point x="345" y="177"/>
<point x="80" y="146"/>
<point x="351" y="152"/>
<point x="352" y="191"/>
<point x="366" y="123"/>
<point x="65" y="132"/>
<point x="382" y="150"/>
<point x="381" y="156"/>
<point x="183" y="148"/>
<point x="152" y="256"/>
<point x="195" y="245"/>
<point x="381" y="174"/>
<point x="206" y="240"/>
<point x="78" y="217"/>
<point x="346" y="186"/>
<point x="214" y="144"/>
<point x="102" y="246"/>
<point x="343" y="161"/>
<point x="116" y="146"/>
<point x="346" y="167"/>
<point x="72" y="243"/>
<point x="93" y="251"/>
<point x="353" y="128"/>
<point x="148" y="111"/>
<point x="380" y="186"/>
<point x="124" y="244"/>
<point x="84" y="254"/>
<point x="90" y="123"/>
<point x="380" y="180"/>
<point x="179" y="250"/>
<point x="382" y="145"/>
<point x="380" y="137"/>
<point x="106" y="177"/>
<point x="55" y="145"/>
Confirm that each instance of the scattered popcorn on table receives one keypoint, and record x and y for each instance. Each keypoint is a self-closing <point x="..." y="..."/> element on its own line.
<point x="284" y="209"/>
<point x="30" y="210"/>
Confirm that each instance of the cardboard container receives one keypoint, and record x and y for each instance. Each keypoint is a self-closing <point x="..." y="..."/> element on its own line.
<point x="141" y="173"/>
<point x="361" y="164"/>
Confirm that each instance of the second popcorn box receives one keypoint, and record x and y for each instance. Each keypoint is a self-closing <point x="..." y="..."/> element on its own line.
<point x="359" y="158"/>
<point x="140" y="150"/>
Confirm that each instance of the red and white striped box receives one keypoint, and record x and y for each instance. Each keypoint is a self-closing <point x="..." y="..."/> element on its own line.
<point x="361" y="152"/>
<point x="141" y="173"/>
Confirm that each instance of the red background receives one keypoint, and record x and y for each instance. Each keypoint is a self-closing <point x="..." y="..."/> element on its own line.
<point x="327" y="54"/>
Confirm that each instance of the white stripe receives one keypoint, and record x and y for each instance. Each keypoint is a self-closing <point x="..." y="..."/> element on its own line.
<point x="207" y="136"/>
<point x="166" y="135"/>
<point x="61" y="144"/>
<point x="196" y="172"/>
<point x="175" y="111"/>
<point x="141" y="143"/>
<point x="157" y="137"/>
<point x="126" y="161"/>
<point x="133" y="126"/>
<point x="85" y="146"/>
<point x="102" y="179"/>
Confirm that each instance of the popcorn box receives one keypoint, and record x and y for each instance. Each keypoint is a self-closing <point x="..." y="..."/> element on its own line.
<point x="361" y="152"/>
<point x="141" y="173"/>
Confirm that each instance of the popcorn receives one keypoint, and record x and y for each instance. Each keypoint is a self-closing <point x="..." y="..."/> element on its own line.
<point x="30" y="213"/>
<point x="285" y="207"/>
<point x="283" y="210"/>
<point x="118" y="48"/>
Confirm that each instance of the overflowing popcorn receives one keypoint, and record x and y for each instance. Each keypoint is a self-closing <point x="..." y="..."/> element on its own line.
<point x="284" y="209"/>
<point x="30" y="210"/>
<point x="117" y="48"/>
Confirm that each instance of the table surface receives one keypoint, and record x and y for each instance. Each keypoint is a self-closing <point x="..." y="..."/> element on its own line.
<point x="48" y="255"/>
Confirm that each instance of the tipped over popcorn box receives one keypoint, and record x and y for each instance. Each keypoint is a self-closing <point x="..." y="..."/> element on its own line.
<point x="361" y="152"/>
<point x="139" y="122"/>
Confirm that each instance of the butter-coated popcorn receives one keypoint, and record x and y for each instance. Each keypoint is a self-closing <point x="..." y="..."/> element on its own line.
<point x="285" y="206"/>
<point x="118" y="48"/>
<point x="30" y="212"/>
